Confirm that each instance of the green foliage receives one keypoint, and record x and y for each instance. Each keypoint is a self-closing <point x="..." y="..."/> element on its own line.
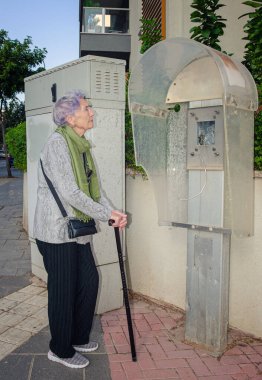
<point x="91" y="3"/>
<point x="129" y="142"/>
<point x="253" y="61"/>
<point x="16" y="143"/>
<point x="17" y="61"/>
<point x="211" y="25"/>
<point x="258" y="142"/>
<point x="253" y="48"/>
<point x="150" y="33"/>
<point x="15" y="113"/>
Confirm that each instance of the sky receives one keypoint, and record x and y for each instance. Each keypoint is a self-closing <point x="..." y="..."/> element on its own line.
<point x="52" y="24"/>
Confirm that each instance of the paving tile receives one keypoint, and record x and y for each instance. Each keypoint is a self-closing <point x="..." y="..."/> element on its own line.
<point x="152" y="318"/>
<point x="186" y="374"/>
<point x="14" y="336"/>
<point x="5" y="349"/>
<point x="16" y="245"/>
<point x="118" y="375"/>
<point x="186" y="354"/>
<point x="98" y="367"/>
<point x="119" y="358"/>
<point x="10" y="319"/>
<point x="15" y="368"/>
<point x="223" y="377"/>
<point x="132" y="370"/>
<point x="168" y="322"/>
<point x="111" y="329"/>
<point x="37" y="300"/>
<point x="37" y="344"/>
<point x="226" y="369"/>
<point x="146" y="364"/>
<point x="10" y="284"/>
<point x="44" y="369"/>
<point x="171" y="363"/>
<point x="42" y="314"/>
<point x="240" y="376"/>
<point x="112" y="350"/>
<point x="119" y="338"/>
<point x="24" y="309"/>
<point x="32" y="325"/>
<point x="6" y="304"/>
<point x="235" y="359"/>
<point x="257" y="377"/>
<point x="256" y="358"/>
<point x="142" y="325"/>
<point x="249" y="369"/>
<point x="124" y="349"/>
<point x="234" y="351"/>
<point x="115" y="366"/>
<point x="3" y="328"/>
<point x="199" y="367"/>
<point x="160" y="374"/>
<point x="156" y="351"/>
<point x="18" y="296"/>
<point x="258" y="349"/>
<point x="32" y="289"/>
<point x="246" y="349"/>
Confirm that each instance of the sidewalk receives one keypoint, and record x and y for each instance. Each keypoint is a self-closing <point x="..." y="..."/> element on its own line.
<point x="161" y="352"/>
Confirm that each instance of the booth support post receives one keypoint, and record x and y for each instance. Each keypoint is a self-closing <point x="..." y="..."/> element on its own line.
<point x="207" y="290"/>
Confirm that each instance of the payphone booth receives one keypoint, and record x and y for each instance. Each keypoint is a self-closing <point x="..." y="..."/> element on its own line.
<point x="192" y="114"/>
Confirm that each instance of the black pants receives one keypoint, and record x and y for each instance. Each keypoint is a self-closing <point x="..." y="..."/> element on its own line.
<point x="72" y="292"/>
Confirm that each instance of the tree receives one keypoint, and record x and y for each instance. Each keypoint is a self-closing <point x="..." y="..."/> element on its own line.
<point x="16" y="143"/>
<point x="17" y="61"/>
<point x="253" y="61"/>
<point x="210" y="26"/>
<point x="149" y="34"/>
<point x="15" y="113"/>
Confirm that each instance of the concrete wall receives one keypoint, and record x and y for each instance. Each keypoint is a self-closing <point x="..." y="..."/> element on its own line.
<point x="157" y="258"/>
<point x="135" y="15"/>
<point x="178" y="23"/>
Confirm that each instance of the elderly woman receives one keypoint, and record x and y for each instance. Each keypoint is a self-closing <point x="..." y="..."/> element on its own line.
<point x="71" y="269"/>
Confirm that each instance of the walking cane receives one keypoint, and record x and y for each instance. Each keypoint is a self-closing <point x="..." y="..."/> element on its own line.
<point x="122" y="271"/>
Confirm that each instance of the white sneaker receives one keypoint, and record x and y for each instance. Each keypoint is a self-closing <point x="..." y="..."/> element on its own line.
<point x="77" y="361"/>
<point x="89" y="347"/>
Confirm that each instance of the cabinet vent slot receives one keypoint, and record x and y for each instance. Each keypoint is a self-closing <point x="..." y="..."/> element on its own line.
<point x="98" y="81"/>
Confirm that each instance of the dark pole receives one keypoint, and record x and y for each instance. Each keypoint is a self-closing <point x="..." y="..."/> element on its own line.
<point x="123" y="276"/>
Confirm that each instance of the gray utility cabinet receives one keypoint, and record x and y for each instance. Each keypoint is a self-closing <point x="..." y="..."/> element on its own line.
<point x="103" y="81"/>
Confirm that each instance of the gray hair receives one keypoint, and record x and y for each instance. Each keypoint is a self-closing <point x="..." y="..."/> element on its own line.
<point x="66" y="106"/>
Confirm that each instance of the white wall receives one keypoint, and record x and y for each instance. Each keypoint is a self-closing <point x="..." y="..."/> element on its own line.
<point x="178" y="23"/>
<point x="157" y="258"/>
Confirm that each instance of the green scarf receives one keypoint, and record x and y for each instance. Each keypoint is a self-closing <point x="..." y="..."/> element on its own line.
<point x="77" y="146"/>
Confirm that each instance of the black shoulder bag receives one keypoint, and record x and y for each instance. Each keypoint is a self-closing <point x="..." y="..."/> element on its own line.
<point x="75" y="226"/>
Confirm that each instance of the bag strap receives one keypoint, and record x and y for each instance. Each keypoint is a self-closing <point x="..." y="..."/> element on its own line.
<point x="53" y="191"/>
<point x="88" y="171"/>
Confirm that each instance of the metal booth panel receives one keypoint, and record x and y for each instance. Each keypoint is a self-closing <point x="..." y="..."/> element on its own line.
<point x="207" y="289"/>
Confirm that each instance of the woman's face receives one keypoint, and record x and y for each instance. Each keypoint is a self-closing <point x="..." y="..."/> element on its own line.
<point x="82" y="120"/>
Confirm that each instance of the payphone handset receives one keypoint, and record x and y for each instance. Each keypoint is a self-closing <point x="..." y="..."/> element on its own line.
<point x="205" y="138"/>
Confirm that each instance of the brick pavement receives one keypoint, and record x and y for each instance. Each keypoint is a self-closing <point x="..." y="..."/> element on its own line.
<point x="162" y="354"/>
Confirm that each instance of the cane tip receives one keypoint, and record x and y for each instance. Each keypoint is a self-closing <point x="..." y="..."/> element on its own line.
<point x="134" y="358"/>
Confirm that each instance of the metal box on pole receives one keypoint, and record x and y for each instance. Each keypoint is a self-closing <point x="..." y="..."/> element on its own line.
<point x="103" y="81"/>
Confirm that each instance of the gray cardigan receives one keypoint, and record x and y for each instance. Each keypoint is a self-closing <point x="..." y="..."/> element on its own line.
<point x="49" y="224"/>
